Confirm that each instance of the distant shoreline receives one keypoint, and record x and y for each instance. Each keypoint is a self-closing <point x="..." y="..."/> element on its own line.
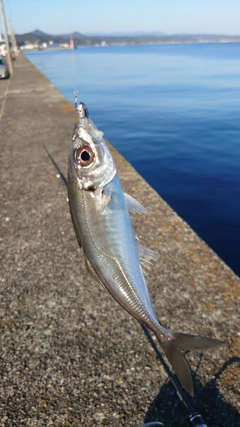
<point x="37" y="48"/>
<point x="39" y="40"/>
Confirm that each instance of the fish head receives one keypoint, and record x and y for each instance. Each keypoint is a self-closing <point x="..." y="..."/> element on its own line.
<point x="91" y="165"/>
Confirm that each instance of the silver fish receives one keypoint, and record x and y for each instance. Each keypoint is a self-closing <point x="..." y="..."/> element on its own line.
<point x="100" y="214"/>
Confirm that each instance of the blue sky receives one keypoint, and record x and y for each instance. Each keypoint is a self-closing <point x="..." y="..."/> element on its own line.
<point x="168" y="16"/>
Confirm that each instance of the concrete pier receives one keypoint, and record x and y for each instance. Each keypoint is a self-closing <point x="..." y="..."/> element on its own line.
<point x="70" y="356"/>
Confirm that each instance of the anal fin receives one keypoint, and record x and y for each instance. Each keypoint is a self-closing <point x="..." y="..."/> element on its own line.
<point x="146" y="255"/>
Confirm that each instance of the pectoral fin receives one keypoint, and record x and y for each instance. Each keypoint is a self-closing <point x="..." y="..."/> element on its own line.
<point x="133" y="205"/>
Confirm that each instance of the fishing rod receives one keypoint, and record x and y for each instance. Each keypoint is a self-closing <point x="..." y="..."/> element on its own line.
<point x="153" y="424"/>
<point x="194" y="418"/>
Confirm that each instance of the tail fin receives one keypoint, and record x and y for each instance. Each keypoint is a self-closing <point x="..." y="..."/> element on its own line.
<point x="175" y="343"/>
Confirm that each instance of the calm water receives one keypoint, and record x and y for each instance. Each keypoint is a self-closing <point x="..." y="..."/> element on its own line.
<point x="173" y="112"/>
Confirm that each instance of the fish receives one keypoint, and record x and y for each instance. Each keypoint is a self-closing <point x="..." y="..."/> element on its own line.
<point x="100" y="213"/>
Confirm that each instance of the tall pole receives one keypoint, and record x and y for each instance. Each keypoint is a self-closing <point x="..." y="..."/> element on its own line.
<point x="13" y="40"/>
<point x="9" y="60"/>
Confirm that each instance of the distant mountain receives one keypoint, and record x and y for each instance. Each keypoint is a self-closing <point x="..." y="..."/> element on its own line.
<point x="38" y="36"/>
<point x="75" y="35"/>
<point x="139" y="37"/>
<point x="38" y="33"/>
<point x="126" y="34"/>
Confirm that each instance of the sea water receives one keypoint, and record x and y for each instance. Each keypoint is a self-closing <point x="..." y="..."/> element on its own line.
<point x="174" y="112"/>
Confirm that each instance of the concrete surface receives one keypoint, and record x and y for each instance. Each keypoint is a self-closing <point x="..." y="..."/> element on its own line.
<point x="70" y="356"/>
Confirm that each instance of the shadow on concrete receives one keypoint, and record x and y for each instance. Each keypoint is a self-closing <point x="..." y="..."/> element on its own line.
<point x="208" y="401"/>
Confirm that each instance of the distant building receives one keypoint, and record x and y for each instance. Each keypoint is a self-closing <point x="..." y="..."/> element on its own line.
<point x="29" y="46"/>
<point x="65" y="45"/>
<point x="3" y="50"/>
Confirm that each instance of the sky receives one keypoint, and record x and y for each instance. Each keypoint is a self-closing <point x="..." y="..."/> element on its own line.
<point x="94" y="16"/>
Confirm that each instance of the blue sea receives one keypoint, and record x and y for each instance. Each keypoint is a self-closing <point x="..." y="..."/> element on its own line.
<point x="174" y="112"/>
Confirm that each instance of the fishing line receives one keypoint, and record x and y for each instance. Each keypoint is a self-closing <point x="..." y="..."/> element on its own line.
<point x="73" y="50"/>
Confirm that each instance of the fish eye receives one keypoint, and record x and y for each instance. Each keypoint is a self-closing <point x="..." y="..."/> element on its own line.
<point x="84" y="156"/>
